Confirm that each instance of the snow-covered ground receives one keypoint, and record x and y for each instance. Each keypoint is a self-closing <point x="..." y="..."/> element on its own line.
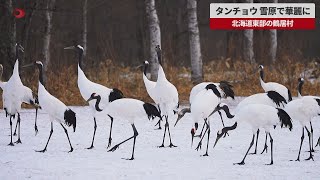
<point x="151" y="162"/>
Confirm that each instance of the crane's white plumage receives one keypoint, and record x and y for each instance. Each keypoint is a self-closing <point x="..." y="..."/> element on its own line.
<point x="224" y="89"/>
<point x="150" y="87"/>
<point x="14" y="94"/>
<point x="303" y="110"/>
<point x="258" y="116"/>
<point x="201" y="108"/>
<point x="148" y="83"/>
<point x="130" y="110"/>
<point x="271" y="98"/>
<point x="88" y="87"/>
<point x="166" y="95"/>
<point x="273" y="86"/>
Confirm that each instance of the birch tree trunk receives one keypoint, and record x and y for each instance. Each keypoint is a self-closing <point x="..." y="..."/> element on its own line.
<point x="194" y="41"/>
<point x="155" y="36"/>
<point x="84" y="19"/>
<point x="47" y="36"/>
<point x="273" y="42"/>
<point x="248" y="41"/>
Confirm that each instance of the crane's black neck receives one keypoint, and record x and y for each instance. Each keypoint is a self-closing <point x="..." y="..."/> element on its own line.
<point x="145" y="69"/>
<point x="80" y="58"/>
<point x="98" y="98"/>
<point x="261" y="74"/>
<point x="300" y="87"/>
<point x="159" y="56"/>
<point x="41" y="74"/>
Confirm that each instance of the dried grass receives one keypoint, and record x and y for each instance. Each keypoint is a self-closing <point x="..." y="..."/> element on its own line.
<point x="243" y="76"/>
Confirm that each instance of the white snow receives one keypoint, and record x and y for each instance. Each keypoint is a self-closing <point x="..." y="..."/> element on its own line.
<point x="151" y="162"/>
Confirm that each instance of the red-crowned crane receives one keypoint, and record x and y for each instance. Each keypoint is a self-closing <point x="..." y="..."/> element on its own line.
<point x="257" y="116"/>
<point x="56" y="109"/>
<point x="14" y="94"/>
<point x="224" y="90"/>
<point x="166" y="94"/>
<point x="202" y="106"/>
<point x="273" y="86"/>
<point x="88" y="87"/>
<point x="304" y="109"/>
<point x="130" y="110"/>
<point x="271" y="98"/>
<point x="150" y="87"/>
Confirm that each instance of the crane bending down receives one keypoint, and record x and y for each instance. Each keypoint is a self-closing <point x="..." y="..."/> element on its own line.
<point x="129" y="109"/>
<point x="202" y="106"/>
<point x="88" y="87"/>
<point x="258" y="116"/>
<point x="223" y="91"/>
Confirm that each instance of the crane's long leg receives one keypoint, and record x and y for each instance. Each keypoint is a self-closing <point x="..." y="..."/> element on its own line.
<point x="35" y="122"/>
<point x="255" y="150"/>
<point x="302" y="137"/>
<point x="310" y="146"/>
<point x="208" y="126"/>
<point x="200" y="142"/>
<point x="252" y="142"/>
<point x="45" y="148"/>
<point x="159" y="122"/>
<point x="15" y="129"/>
<point x="11" y="144"/>
<point x="94" y="132"/>
<point x="135" y="134"/>
<point x="311" y="129"/>
<point x="19" y="121"/>
<point x="199" y="135"/>
<point x="164" y="134"/>
<point x="65" y="130"/>
<point x="171" y="145"/>
<point x="265" y="145"/>
<point x="110" y="139"/>
<point x="271" y="142"/>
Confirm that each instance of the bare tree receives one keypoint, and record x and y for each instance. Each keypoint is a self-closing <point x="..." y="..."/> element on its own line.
<point x="84" y="21"/>
<point x="7" y="37"/>
<point x="47" y="35"/>
<point x="154" y="35"/>
<point x="25" y="30"/>
<point x="248" y="41"/>
<point x="273" y="42"/>
<point x="194" y="41"/>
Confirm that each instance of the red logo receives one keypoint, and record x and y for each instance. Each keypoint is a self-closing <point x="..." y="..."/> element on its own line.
<point x="19" y="13"/>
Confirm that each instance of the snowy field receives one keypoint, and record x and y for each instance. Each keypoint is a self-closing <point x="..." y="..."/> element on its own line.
<point x="151" y="162"/>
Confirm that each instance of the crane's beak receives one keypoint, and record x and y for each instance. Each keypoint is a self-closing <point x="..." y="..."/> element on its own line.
<point x="140" y="66"/>
<point x="217" y="139"/>
<point x="178" y="119"/>
<point x="28" y="65"/>
<point x="70" y="47"/>
<point x="89" y="99"/>
<point x="192" y="136"/>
